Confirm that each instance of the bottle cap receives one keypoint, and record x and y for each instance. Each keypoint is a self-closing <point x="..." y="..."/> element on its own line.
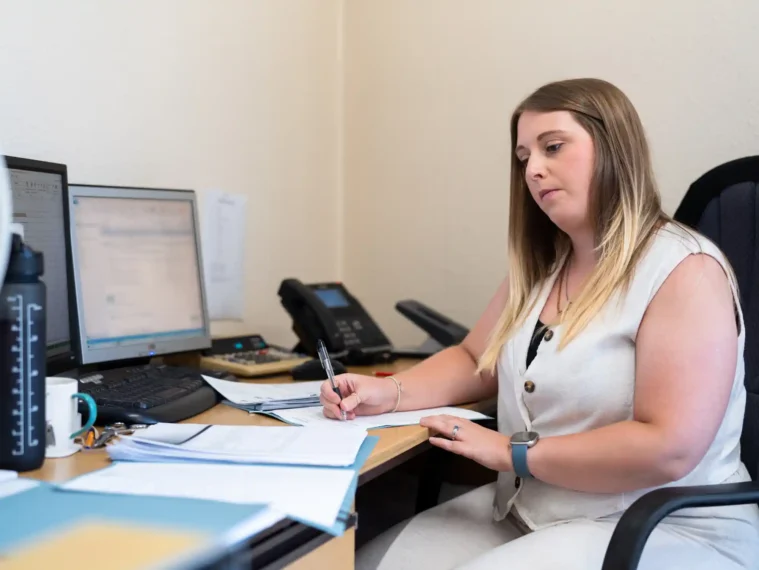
<point x="24" y="262"/>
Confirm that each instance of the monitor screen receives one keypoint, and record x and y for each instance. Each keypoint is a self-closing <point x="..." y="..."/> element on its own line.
<point x="137" y="272"/>
<point x="39" y="196"/>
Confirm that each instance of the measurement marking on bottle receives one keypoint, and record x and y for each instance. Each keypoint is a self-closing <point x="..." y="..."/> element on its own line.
<point x="24" y="371"/>
<point x="31" y="368"/>
<point x="18" y="347"/>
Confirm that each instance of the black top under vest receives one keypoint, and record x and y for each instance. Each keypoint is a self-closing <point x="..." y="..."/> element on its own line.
<point x="537" y="338"/>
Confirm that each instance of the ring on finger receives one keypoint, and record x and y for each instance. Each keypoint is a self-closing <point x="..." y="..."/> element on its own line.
<point x="454" y="432"/>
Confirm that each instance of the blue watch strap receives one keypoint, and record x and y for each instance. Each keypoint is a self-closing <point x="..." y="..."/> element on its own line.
<point x="519" y="460"/>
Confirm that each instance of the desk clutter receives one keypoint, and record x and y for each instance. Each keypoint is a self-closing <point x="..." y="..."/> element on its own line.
<point x="124" y="286"/>
<point x="216" y="493"/>
<point x="209" y="478"/>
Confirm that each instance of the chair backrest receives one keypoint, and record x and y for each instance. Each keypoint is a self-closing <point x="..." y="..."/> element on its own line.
<point x="722" y="205"/>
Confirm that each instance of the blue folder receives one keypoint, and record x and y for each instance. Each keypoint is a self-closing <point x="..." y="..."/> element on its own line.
<point x="43" y="509"/>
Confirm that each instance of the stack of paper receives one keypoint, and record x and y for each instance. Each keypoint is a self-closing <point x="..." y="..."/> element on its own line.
<point x="326" y="445"/>
<point x="318" y="496"/>
<point x="308" y="493"/>
<point x="256" y="397"/>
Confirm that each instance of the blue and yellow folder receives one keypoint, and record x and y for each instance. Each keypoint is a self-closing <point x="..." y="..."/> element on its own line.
<point x="46" y="527"/>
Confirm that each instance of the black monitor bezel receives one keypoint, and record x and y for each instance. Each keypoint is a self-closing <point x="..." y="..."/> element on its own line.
<point x="65" y="360"/>
<point x="74" y="302"/>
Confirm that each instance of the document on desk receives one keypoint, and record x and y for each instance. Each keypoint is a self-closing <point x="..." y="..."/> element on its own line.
<point x="18" y="485"/>
<point x="11" y="484"/>
<point x="252" y="396"/>
<point x="222" y="235"/>
<point x="7" y="475"/>
<point x="309" y="494"/>
<point x="315" y="417"/>
<point x="325" y="445"/>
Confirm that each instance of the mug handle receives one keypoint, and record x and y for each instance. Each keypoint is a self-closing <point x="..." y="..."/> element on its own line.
<point x="91" y="408"/>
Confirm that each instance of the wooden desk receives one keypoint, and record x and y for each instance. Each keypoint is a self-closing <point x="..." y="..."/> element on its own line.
<point x="394" y="445"/>
<point x="393" y="441"/>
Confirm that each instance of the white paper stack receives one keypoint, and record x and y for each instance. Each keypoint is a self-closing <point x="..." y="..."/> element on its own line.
<point x="7" y="475"/>
<point x="314" y="495"/>
<point x="257" y="397"/>
<point x="328" y="445"/>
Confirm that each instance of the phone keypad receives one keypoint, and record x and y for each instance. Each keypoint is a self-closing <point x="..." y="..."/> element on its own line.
<point x="349" y="335"/>
<point x="355" y="333"/>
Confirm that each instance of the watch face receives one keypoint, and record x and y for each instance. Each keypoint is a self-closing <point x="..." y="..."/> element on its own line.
<point x="528" y="437"/>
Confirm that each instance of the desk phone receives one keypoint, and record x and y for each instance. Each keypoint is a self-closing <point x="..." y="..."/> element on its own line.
<point x="248" y="356"/>
<point x="327" y="311"/>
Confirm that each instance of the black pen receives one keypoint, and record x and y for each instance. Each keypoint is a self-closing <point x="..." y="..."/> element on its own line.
<point x="327" y="365"/>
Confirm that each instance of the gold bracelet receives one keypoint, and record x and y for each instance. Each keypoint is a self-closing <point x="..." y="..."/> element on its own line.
<point x="398" y="387"/>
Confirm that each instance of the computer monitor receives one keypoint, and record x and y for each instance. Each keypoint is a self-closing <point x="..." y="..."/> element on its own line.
<point x="137" y="273"/>
<point x="39" y="192"/>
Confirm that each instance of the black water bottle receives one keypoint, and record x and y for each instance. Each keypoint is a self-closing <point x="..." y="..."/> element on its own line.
<point x="22" y="360"/>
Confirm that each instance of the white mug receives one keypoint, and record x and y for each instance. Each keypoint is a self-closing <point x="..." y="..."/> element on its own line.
<point x="62" y="419"/>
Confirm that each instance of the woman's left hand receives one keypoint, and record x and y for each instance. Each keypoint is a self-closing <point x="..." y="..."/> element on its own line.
<point x="485" y="446"/>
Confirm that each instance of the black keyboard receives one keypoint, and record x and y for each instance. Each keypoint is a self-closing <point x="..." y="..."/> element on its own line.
<point x="149" y="394"/>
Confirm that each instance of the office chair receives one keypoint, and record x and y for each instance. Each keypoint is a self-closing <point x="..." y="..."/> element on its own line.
<point x="723" y="205"/>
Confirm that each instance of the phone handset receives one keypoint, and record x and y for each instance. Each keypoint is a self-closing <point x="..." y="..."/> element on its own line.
<point x="314" y="320"/>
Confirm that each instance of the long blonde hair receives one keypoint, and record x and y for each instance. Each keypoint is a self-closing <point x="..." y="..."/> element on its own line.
<point x="625" y="209"/>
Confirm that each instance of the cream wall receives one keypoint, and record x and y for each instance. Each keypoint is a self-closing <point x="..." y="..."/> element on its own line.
<point x="430" y="85"/>
<point x="370" y="136"/>
<point x="238" y="95"/>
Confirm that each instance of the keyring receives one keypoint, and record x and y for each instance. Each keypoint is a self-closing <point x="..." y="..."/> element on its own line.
<point x="454" y="432"/>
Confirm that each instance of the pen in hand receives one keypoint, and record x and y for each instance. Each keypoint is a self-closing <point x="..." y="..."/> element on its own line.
<point x="327" y="365"/>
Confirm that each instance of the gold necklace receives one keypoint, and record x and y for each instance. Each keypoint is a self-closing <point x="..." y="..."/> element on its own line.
<point x="564" y="276"/>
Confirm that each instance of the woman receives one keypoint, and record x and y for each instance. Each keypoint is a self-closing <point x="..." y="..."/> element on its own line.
<point x="615" y="346"/>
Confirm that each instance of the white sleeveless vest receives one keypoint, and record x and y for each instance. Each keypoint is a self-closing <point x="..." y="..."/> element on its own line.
<point x="591" y="383"/>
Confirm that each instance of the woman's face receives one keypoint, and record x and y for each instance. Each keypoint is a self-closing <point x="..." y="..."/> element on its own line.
<point x="558" y="159"/>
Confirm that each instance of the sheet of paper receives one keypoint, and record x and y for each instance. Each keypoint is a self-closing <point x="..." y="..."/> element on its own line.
<point x="223" y="225"/>
<point x="253" y="393"/>
<point x="305" y="493"/>
<point x="15" y="486"/>
<point x="315" y="417"/>
<point x="323" y="445"/>
<point x="255" y="524"/>
<point x="7" y="475"/>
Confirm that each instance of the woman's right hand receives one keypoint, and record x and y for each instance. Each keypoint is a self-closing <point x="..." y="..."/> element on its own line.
<point x="362" y="396"/>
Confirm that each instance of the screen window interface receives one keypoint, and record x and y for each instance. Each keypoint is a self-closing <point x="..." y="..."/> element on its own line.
<point x="138" y="268"/>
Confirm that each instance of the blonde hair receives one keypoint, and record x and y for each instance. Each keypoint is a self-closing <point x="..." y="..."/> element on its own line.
<point x="625" y="209"/>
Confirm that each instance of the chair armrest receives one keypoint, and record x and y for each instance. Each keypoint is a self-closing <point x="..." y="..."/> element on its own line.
<point x="637" y="523"/>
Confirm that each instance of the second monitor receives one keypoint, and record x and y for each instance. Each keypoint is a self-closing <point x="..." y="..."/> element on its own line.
<point x="39" y="196"/>
<point x="137" y="272"/>
<point x="138" y="284"/>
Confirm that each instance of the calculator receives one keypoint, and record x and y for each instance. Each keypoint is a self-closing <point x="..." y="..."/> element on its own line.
<point x="248" y="356"/>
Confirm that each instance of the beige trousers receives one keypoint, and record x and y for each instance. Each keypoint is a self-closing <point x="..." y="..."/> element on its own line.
<point x="462" y="534"/>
